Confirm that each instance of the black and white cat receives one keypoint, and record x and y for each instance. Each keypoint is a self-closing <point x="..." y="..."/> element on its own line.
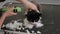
<point x="33" y="17"/>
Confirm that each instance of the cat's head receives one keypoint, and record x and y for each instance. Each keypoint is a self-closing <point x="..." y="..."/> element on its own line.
<point x="33" y="16"/>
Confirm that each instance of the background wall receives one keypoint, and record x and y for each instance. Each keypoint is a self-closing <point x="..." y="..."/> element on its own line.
<point x="56" y="2"/>
<point x="44" y="1"/>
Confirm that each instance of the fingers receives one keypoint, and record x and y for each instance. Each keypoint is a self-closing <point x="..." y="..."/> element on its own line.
<point x="13" y="13"/>
<point x="30" y="5"/>
<point x="10" y="8"/>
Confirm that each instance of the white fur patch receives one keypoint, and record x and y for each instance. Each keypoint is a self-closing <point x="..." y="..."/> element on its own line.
<point x="13" y="26"/>
<point x="38" y="24"/>
<point x="29" y="25"/>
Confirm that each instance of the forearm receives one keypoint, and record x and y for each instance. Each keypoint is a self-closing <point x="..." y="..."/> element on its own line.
<point x="2" y="19"/>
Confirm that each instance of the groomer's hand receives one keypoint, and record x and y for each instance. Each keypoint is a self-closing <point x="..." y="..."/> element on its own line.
<point x="29" y="5"/>
<point x="9" y="12"/>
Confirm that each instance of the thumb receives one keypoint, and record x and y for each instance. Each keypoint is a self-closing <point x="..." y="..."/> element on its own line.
<point x="14" y="13"/>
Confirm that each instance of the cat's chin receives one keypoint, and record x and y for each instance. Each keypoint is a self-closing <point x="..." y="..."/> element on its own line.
<point x="27" y="24"/>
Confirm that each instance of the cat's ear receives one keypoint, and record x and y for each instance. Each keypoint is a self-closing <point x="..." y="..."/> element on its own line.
<point x="38" y="7"/>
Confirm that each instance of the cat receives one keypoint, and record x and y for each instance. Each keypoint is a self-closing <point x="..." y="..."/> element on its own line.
<point x="33" y="17"/>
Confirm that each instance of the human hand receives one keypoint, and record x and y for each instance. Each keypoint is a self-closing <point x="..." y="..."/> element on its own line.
<point x="9" y="12"/>
<point x="30" y="5"/>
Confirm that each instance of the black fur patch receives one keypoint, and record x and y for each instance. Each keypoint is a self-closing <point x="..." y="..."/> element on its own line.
<point x="33" y="15"/>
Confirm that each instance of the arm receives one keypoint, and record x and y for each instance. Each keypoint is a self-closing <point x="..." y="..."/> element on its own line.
<point x="8" y="13"/>
<point x="2" y="19"/>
